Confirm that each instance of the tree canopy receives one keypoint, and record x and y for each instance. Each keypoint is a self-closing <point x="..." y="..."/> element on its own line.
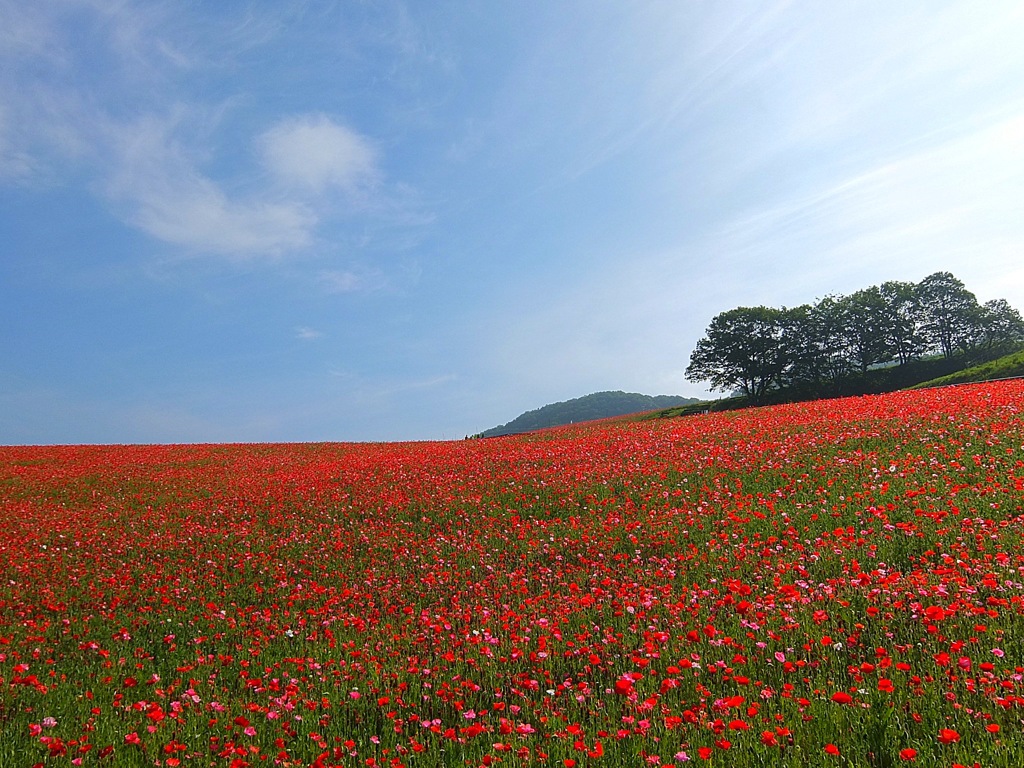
<point x="753" y="350"/>
<point x="742" y="350"/>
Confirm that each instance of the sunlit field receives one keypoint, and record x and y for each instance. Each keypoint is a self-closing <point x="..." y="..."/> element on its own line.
<point x="833" y="583"/>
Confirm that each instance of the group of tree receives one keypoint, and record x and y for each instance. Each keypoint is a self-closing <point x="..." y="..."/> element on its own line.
<point x="817" y="349"/>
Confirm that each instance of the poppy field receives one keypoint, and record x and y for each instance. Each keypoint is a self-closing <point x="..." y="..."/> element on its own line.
<point x="838" y="583"/>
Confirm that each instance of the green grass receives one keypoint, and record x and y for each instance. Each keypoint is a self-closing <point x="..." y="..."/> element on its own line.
<point x="1004" y="367"/>
<point x="722" y="404"/>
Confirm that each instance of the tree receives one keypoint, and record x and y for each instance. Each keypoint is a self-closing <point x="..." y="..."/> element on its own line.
<point x="743" y="349"/>
<point x="821" y="360"/>
<point x="903" y="319"/>
<point x="866" y="338"/>
<point x="951" y="313"/>
<point x="811" y="349"/>
<point x="1000" y="327"/>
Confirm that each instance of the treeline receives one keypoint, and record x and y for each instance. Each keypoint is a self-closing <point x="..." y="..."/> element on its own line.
<point x="832" y="346"/>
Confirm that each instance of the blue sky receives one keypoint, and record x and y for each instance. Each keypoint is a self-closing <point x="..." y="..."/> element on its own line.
<point x="384" y="221"/>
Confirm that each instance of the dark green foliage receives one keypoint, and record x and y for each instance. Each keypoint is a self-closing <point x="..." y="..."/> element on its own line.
<point x="875" y="340"/>
<point x="902" y="321"/>
<point x="746" y="349"/>
<point x="1002" y="326"/>
<point x="600" y="405"/>
<point x="950" y="312"/>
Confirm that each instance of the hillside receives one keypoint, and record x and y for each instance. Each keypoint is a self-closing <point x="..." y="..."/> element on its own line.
<point x="600" y="405"/>
<point x="1004" y="367"/>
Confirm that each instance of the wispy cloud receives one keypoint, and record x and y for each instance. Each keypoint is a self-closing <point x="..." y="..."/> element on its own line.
<point x="162" y="192"/>
<point x="356" y="279"/>
<point x="71" y="65"/>
<point x="15" y="164"/>
<point x="918" y="205"/>
<point x="378" y="389"/>
<point x="951" y="204"/>
<point x="26" y="30"/>
<point x="340" y="281"/>
<point x="318" y="169"/>
<point x="307" y="334"/>
<point x="176" y="172"/>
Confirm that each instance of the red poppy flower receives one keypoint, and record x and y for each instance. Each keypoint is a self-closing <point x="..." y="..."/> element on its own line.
<point x="948" y="736"/>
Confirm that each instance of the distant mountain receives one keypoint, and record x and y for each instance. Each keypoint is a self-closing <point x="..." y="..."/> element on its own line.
<point x="600" y="405"/>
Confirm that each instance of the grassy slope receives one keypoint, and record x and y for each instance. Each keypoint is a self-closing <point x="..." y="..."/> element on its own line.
<point x="1000" y="368"/>
<point x="722" y="404"/>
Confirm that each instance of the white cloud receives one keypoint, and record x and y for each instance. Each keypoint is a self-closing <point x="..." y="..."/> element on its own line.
<point x="109" y="123"/>
<point x="25" y="30"/>
<point x="14" y="163"/>
<point x="307" y="334"/>
<point x="339" y="281"/>
<point x="376" y="390"/>
<point x="166" y="196"/>
<point x="197" y="215"/>
<point x="953" y="202"/>
<point x="158" y="180"/>
<point x="351" y="280"/>
<point x="314" y="152"/>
